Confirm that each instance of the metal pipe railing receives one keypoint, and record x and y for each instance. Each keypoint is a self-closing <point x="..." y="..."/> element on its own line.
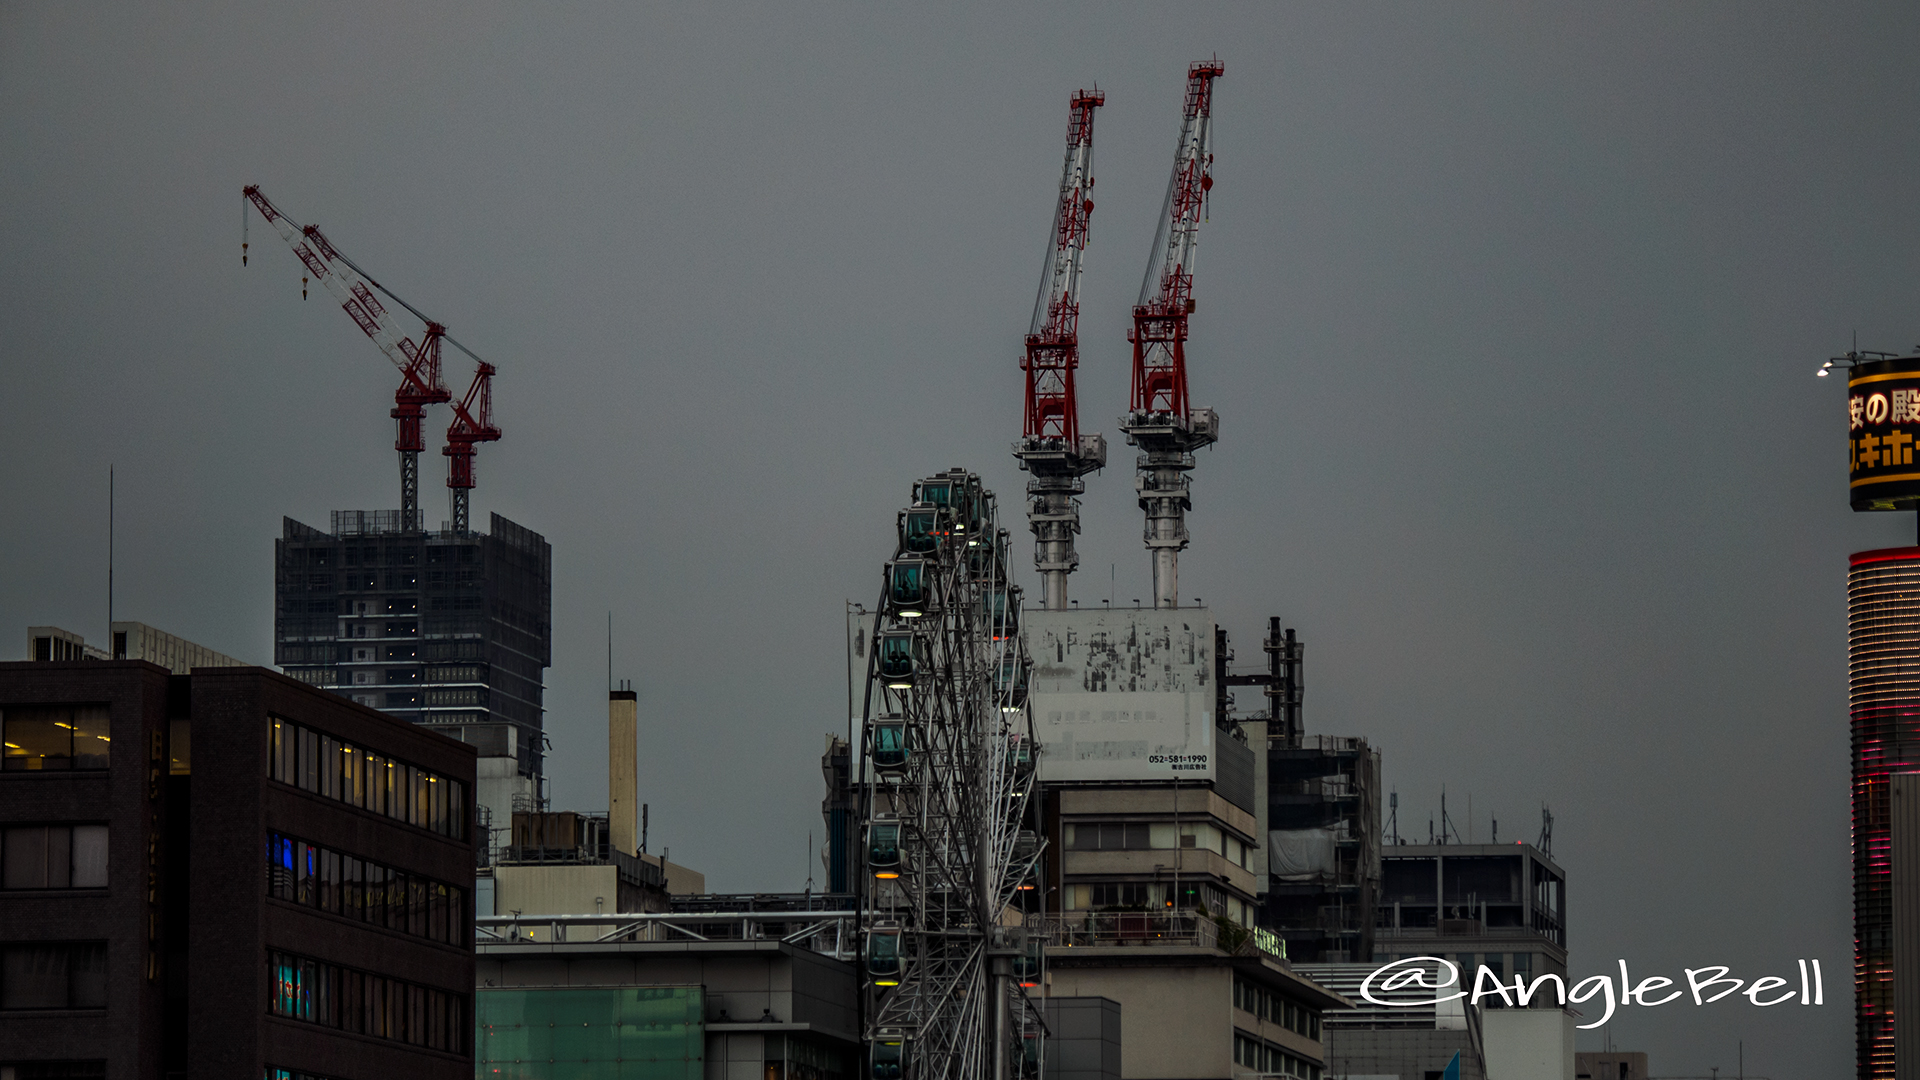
<point x="828" y="932"/>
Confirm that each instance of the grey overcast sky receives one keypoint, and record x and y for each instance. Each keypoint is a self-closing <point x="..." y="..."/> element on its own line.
<point x="1510" y="313"/>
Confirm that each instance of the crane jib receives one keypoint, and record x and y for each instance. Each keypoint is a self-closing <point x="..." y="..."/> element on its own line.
<point x="360" y="316"/>
<point x="419" y="364"/>
<point x="314" y="265"/>
<point x="365" y="296"/>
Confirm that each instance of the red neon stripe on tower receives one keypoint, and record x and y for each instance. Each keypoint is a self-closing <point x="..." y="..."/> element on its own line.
<point x="1883" y="682"/>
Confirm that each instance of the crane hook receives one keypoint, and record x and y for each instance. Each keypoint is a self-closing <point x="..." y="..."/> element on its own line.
<point x="303" y="287"/>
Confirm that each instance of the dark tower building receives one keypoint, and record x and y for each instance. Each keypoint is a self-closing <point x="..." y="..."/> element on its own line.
<point x="1883" y="659"/>
<point x="450" y="629"/>
<point x="1883" y="685"/>
<point x="1323" y="847"/>
<point x="840" y="809"/>
<point x="1319" y="813"/>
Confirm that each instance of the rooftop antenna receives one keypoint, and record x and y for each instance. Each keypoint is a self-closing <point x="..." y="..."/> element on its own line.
<point x="1446" y="823"/>
<point x="609" y="651"/>
<point x="1546" y="831"/>
<point x="1393" y="817"/>
<point x="109" y="559"/>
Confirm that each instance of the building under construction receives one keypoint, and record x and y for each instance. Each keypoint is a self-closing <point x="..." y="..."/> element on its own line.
<point x="450" y="629"/>
<point x="1323" y="846"/>
<point x="1318" y="863"/>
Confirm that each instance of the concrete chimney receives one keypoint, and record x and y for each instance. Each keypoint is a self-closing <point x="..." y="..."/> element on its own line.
<point x="623" y="792"/>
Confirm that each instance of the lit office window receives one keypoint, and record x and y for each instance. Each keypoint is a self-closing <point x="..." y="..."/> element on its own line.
<point x="326" y="766"/>
<point x="54" y="737"/>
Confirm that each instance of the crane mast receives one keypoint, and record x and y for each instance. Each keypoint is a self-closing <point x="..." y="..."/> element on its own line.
<point x="419" y="363"/>
<point x="1159" y="419"/>
<point x="1051" y="447"/>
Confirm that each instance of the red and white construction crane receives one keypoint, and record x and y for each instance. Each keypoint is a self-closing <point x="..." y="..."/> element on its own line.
<point x="1051" y="447"/>
<point x="419" y="362"/>
<point x="1159" y="420"/>
<point x="472" y="423"/>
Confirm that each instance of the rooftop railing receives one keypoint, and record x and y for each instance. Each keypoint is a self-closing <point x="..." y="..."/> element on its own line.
<point x="640" y="871"/>
<point x="764" y="902"/>
<point x="830" y="933"/>
<point x="1148" y="929"/>
<point x="1458" y="928"/>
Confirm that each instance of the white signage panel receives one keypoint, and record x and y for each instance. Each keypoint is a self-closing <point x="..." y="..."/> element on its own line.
<point x="1122" y="695"/>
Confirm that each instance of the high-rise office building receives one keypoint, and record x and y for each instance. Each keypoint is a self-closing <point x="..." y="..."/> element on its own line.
<point x="448" y="629"/>
<point x="227" y="875"/>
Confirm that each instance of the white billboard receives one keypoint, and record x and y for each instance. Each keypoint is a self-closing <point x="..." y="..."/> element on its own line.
<point x="1122" y="694"/>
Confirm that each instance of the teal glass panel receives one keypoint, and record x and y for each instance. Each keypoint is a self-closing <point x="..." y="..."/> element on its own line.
<point x="908" y="587"/>
<point x="883" y="851"/>
<point x="889" y="745"/>
<point x="591" y="1033"/>
<point x="883" y="952"/>
<point x="921" y="531"/>
<point x="896" y="655"/>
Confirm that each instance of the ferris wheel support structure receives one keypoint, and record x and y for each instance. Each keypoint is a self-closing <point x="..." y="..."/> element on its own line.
<point x="946" y="774"/>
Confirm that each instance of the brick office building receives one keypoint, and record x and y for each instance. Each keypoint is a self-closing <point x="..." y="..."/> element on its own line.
<point x="227" y="875"/>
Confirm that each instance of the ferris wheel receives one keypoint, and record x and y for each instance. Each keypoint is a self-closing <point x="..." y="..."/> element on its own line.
<point x="946" y="778"/>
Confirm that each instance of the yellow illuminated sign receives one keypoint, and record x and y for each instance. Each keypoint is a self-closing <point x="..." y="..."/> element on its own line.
<point x="1883" y="431"/>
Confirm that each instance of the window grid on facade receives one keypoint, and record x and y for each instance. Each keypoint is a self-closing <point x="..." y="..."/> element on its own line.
<point x="1154" y="836"/>
<point x="314" y="761"/>
<point x="1271" y="1007"/>
<point x="1267" y="1059"/>
<point x="361" y="1002"/>
<point x="365" y="891"/>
